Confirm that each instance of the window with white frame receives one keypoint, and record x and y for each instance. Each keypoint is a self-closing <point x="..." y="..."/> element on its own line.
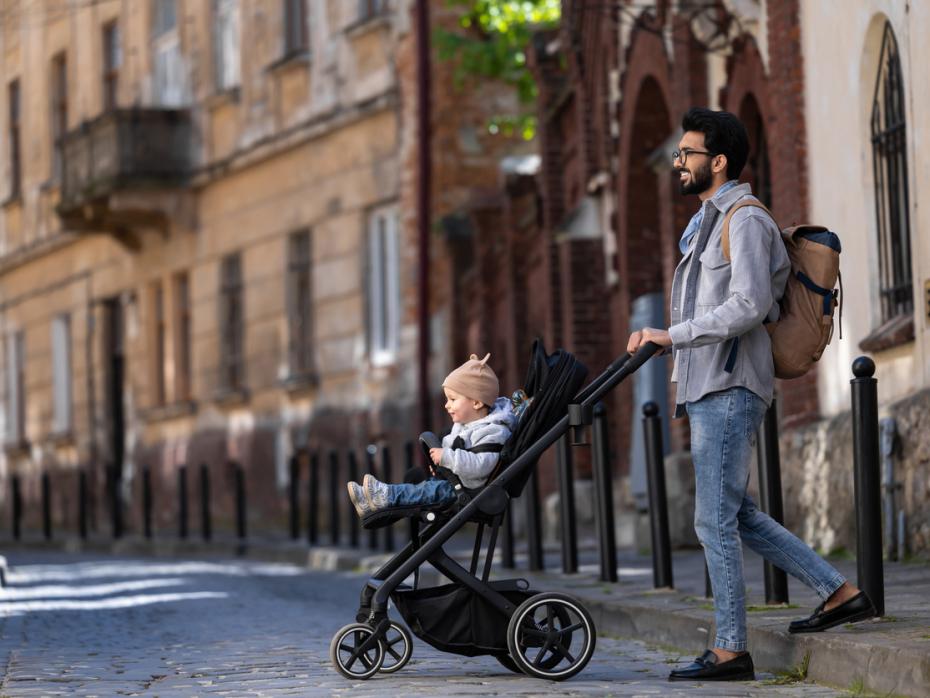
<point x="383" y="286"/>
<point x="166" y="47"/>
<point x="61" y="374"/>
<point x="226" y="44"/>
<point x="15" y="389"/>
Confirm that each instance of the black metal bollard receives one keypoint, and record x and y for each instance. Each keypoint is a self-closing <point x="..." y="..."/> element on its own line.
<point x="116" y="507"/>
<point x="17" y="507"/>
<point x="147" y="501"/>
<point x="386" y="476"/>
<point x="241" y="511"/>
<point x="414" y="525"/>
<point x="568" y="524"/>
<point x="46" y="506"/>
<point x="370" y="451"/>
<point x="507" y="557"/>
<point x="313" y="499"/>
<point x="205" y="528"/>
<point x="82" y="504"/>
<point x="658" y="502"/>
<point x="776" y="581"/>
<point x="534" y="541"/>
<point x="867" y="482"/>
<point x="182" y="502"/>
<point x="603" y="493"/>
<point x="334" y="497"/>
<point x="294" y="495"/>
<point x="353" y="515"/>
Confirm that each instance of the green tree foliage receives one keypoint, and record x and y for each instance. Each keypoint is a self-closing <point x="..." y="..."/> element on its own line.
<point x="492" y="44"/>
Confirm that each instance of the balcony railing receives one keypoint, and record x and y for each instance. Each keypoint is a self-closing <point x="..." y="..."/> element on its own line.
<point x="142" y="152"/>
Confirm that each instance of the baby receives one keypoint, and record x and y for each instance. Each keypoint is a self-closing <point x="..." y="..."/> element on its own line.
<point x="482" y="423"/>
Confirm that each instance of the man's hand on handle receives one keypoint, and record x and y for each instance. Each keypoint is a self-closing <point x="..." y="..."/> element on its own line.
<point x="648" y="334"/>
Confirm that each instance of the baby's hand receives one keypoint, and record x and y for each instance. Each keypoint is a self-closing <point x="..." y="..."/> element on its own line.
<point x="436" y="455"/>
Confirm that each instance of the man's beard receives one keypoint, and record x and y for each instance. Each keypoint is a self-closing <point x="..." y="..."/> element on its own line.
<point x="700" y="181"/>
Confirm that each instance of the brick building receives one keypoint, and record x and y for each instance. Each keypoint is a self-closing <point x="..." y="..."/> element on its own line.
<point x="208" y="243"/>
<point x="595" y="227"/>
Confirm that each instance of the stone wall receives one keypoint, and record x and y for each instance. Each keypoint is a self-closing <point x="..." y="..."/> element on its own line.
<point x="817" y="477"/>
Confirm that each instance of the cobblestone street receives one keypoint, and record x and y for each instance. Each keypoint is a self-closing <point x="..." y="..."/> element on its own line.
<point x="76" y="625"/>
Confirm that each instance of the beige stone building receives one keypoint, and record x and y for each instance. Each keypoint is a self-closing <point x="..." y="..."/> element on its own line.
<point x="208" y="242"/>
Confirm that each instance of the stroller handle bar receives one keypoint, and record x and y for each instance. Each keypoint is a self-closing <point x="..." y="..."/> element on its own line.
<point x="618" y="370"/>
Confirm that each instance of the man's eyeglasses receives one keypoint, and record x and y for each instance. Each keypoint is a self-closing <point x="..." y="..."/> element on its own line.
<point x="683" y="154"/>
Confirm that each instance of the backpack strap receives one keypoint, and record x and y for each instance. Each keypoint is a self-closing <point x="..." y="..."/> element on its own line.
<point x="725" y="237"/>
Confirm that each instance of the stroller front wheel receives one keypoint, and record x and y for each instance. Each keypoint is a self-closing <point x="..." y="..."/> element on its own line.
<point x="551" y="636"/>
<point x="353" y="655"/>
<point x="398" y="646"/>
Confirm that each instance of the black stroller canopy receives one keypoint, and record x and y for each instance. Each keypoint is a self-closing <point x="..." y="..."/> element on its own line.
<point x="552" y="381"/>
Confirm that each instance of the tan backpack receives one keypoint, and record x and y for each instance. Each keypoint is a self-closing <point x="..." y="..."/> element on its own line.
<point x="805" y="324"/>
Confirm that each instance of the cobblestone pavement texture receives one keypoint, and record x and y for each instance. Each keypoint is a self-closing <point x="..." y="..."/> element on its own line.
<point x="78" y="625"/>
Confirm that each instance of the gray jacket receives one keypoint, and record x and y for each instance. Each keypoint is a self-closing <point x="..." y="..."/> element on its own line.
<point x="719" y="307"/>
<point x="474" y="469"/>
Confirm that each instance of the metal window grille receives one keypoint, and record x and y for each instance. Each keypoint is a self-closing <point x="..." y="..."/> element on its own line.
<point x="295" y="26"/>
<point x="231" y="323"/>
<point x="13" y="95"/>
<point x="59" y="108"/>
<point x="889" y="161"/>
<point x="182" y="304"/>
<point x="111" y="64"/>
<point x="300" y="304"/>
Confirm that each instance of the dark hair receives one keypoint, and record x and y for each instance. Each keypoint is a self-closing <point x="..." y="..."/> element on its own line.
<point x="724" y="134"/>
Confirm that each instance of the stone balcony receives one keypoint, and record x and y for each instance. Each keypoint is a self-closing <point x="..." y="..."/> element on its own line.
<point x="125" y="170"/>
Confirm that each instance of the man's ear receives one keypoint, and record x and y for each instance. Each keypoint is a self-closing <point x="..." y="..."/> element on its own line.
<point x="719" y="164"/>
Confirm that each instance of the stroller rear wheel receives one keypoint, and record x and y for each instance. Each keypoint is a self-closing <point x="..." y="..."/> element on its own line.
<point x="551" y="636"/>
<point x="350" y="657"/>
<point x="398" y="646"/>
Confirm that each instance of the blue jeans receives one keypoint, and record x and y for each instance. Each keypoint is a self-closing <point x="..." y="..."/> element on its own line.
<point x="723" y="434"/>
<point x="429" y="492"/>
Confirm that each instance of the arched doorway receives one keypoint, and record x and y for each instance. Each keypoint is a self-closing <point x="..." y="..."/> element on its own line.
<point x="757" y="171"/>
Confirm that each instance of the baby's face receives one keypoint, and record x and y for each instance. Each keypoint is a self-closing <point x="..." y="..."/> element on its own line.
<point x="461" y="409"/>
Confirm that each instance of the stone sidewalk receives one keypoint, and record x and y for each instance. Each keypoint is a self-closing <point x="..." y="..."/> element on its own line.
<point x="887" y="656"/>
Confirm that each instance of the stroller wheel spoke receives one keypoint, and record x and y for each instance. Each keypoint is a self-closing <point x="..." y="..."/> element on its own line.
<point x="570" y="629"/>
<point x="540" y="655"/>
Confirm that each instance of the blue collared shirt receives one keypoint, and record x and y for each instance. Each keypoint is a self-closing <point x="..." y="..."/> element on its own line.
<point x="694" y="224"/>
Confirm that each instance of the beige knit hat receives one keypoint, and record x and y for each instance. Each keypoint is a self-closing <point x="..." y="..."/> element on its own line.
<point x="475" y="380"/>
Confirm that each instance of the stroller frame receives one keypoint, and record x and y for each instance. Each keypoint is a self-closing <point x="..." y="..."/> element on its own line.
<point x="487" y="507"/>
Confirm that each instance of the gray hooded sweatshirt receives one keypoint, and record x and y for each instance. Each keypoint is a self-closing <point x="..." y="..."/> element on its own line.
<point x="473" y="469"/>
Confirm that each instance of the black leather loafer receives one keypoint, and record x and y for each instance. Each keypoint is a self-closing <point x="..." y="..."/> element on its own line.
<point x="859" y="607"/>
<point x="706" y="668"/>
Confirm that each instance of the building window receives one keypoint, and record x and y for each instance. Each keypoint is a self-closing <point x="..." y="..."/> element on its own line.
<point x="383" y="286"/>
<point x="166" y="48"/>
<point x="226" y="43"/>
<point x="889" y="161"/>
<point x="182" y="324"/>
<point x="61" y="374"/>
<point x="758" y="171"/>
<point x="59" y="107"/>
<point x="112" y="59"/>
<point x="367" y="9"/>
<point x="295" y="27"/>
<point x="158" y="338"/>
<point x="16" y="173"/>
<point x="300" y="304"/>
<point x="232" y="328"/>
<point x="15" y="389"/>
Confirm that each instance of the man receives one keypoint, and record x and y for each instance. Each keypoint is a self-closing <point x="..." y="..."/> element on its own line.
<point x="724" y="373"/>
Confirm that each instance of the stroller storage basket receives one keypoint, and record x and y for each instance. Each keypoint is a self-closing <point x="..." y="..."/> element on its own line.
<point x="453" y="618"/>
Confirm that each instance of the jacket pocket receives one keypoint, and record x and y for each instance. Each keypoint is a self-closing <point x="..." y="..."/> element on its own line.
<point x="714" y="283"/>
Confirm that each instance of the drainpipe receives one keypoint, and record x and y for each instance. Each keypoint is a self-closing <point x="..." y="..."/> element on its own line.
<point x="424" y="175"/>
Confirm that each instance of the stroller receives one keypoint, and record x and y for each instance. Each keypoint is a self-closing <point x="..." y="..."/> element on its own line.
<point x="546" y="635"/>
